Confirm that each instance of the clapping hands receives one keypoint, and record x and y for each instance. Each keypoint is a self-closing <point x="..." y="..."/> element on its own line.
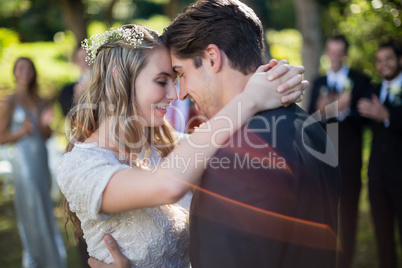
<point x="373" y="109"/>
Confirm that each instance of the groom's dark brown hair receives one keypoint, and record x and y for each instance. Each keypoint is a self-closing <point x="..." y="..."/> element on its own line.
<point x="229" y="24"/>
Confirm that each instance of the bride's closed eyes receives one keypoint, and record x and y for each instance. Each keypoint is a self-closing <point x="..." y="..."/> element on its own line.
<point x="162" y="83"/>
<point x="164" y="79"/>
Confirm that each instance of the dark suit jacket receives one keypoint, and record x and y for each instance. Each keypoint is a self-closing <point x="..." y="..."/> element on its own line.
<point x="265" y="201"/>
<point x="386" y="147"/>
<point x="66" y="98"/>
<point x="350" y="129"/>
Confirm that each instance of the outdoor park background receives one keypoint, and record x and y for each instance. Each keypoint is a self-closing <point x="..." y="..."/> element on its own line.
<point x="48" y="31"/>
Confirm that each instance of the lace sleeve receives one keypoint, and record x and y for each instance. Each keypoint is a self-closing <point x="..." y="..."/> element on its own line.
<point x="185" y="201"/>
<point x="82" y="175"/>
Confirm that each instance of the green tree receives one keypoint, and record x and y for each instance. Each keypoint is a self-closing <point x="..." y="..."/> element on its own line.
<point x="40" y="20"/>
<point x="365" y="24"/>
<point x="7" y="38"/>
<point x="34" y="20"/>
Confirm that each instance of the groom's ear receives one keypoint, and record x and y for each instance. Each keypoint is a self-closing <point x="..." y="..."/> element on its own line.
<point x="213" y="57"/>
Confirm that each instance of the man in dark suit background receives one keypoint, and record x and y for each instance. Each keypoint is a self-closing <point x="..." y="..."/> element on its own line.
<point x="384" y="109"/>
<point x="269" y="198"/>
<point x="345" y="86"/>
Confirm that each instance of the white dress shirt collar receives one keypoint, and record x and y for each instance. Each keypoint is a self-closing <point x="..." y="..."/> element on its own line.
<point x="397" y="81"/>
<point x="338" y="78"/>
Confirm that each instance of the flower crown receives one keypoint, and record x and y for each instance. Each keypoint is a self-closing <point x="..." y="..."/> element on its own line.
<point x="132" y="36"/>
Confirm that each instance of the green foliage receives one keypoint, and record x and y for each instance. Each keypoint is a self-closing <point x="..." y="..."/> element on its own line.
<point x="365" y="24"/>
<point x="7" y="38"/>
<point x="13" y="7"/>
<point x="285" y="45"/>
<point x="145" y="9"/>
<point x="35" y="20"/>
<point x="280" y="14"/>
<point x="51" y="62"/>
<point x="159" y="1"/>
<point x="156" y="22"/>
<point x="96" y="27"/>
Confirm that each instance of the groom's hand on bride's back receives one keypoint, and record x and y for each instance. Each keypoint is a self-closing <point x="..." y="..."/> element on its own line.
<point x="120" y="261"/>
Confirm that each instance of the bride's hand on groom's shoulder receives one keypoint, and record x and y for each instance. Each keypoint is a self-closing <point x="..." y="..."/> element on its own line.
<point x="120" y="261"/>
<point x="290" y="80"/>
<point x="281" y="84"/>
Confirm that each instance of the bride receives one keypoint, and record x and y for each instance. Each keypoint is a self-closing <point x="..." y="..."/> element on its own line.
<point x="119" y="128"/>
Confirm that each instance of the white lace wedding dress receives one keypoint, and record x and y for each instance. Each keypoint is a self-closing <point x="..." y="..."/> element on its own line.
<point x="148" y="237"/>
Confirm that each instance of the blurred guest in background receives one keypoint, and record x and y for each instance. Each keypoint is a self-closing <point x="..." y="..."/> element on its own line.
<point x="345" y="86"/>
<point x="71" y="92"/>
<point x="24" y="122"/>
<point x="68" y="97"/>
<point x="384" y="109"/>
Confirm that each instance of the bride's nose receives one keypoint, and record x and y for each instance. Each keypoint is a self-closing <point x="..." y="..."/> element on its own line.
<point x="171" y="93"/>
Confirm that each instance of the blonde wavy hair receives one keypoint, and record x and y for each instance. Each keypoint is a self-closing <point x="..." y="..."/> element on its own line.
<point x="111" y="94"/>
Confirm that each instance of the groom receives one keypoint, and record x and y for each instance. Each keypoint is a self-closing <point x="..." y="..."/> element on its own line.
<point x="269" y="197"/>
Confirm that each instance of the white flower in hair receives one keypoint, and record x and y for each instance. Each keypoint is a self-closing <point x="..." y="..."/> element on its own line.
<point x="132" y="36"/>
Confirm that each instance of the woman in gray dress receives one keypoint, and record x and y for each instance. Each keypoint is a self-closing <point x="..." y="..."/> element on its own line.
<point x="24" y="122"/>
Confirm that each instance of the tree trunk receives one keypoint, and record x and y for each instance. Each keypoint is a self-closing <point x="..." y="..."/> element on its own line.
<point x="74" y="16"/>
<point x="308" y="23"/>
<point x="109" y="13"/>
<point x="172" y="8"/>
